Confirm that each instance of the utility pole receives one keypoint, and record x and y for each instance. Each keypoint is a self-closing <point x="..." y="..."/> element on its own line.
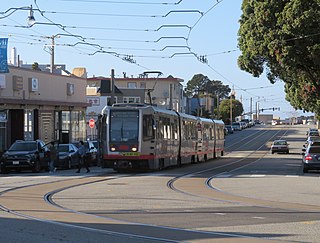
<point x="251" y="109"/>
<point x="231" y="98"/>
<point x="112" y="88"/>
<point x="51" y="50"/>
<point x="52" y="55"/>
<point x="231" y="109"/>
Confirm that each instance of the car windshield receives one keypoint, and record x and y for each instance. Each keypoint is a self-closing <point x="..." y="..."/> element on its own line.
<point x="25" y="146"/>
<point x="313" y="133"/>
<point x="314" y="150"/>
<point x="280" y="143"/>
<point x="312" y="138"/>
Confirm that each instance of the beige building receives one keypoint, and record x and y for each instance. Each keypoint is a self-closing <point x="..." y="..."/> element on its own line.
<point x="163" y="92"/>
<point x="41" y="105"/>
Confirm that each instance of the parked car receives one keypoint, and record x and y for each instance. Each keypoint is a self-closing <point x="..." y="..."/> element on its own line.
<point x="237" y="126"/>
<point x="311" y="139"/>
<point x="313" y="132"/>
<point x="96" y="145"/>
<point x="311" y="157"/>
<point x="25" y="155"/>
<point x="280" y="146"/>
<point x="230" y="129"/>
<point x="68" y="156"/>
<point x="226" y="132"/>
<point x="92" y="151"/>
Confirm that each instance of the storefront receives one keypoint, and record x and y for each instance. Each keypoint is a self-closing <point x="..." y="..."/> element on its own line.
<point x="39" y="105"/>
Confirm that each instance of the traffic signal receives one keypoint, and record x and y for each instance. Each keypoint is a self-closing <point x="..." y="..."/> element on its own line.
<point x="273" y="108"/>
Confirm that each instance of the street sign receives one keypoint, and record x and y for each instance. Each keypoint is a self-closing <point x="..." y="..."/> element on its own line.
<point x="91" y="123"/>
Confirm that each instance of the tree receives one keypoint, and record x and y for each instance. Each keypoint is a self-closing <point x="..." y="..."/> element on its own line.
<point x="200" y="84"/>
<point x="282" y="38"/>
<point x="237" y="109"/>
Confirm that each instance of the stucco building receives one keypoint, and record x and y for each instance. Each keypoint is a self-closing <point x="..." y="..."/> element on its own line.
<point x="41" y="105"/>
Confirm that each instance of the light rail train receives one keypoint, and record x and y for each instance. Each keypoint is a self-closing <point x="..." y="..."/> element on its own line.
<point x="140" y="136"/>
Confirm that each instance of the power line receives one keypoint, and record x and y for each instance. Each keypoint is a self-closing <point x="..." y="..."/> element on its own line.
<point x="123" y="15"/>
<point x="124" y="2"/>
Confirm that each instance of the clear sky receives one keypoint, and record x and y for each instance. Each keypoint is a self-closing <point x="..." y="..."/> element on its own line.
<point x="133" y="36"/>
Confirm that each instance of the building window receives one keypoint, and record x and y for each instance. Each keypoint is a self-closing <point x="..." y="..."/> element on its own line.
<point x="132" y="85"/>
<point x="28" y="124"/>
<point x="143" y="85"/>
<point x="78" y="124"/>
<point x="131" y="99"/>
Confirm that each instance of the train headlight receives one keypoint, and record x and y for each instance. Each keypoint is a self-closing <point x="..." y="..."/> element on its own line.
<point x="113" y="149"/>
<point x="134" y="149"/>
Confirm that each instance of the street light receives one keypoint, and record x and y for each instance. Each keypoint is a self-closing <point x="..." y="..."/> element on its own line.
<point x="31" y="20"/>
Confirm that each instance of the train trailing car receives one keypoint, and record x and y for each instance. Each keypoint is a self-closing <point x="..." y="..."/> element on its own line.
<point x="139" y="136"/>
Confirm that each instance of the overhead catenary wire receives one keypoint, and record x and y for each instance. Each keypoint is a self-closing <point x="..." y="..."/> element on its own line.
<point x="100" y="48"/>
<point x="126" y="2"/>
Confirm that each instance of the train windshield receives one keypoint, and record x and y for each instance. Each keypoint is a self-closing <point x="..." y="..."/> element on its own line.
<point x="124" y="126"/>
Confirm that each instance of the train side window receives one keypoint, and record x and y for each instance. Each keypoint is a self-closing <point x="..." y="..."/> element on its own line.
<point x="148" y="127"/>
<point x="160" y="129"/>
<point x="175" y="129"/>
<point x="168" y="128"/>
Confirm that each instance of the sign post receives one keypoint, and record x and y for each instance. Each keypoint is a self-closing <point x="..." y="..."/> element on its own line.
<point x="91" y="123"/>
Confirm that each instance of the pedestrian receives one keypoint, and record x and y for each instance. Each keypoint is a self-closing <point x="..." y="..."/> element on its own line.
<point x="53" y="157"/>
<point x="82" y="157"/>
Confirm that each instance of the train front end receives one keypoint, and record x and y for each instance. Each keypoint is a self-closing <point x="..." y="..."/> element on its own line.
<point x="125" y="133"/>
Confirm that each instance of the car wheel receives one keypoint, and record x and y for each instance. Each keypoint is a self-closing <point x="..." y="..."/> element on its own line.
<point x="288" y="152"/>
<point x="272" y="152"/>
<point x="305" y="170"/>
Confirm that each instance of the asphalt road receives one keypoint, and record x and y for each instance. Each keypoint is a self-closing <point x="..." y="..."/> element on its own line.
<point x="249" y="195"/>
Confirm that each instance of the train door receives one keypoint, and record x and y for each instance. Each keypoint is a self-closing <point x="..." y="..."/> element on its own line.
<point x="200" y="150"/>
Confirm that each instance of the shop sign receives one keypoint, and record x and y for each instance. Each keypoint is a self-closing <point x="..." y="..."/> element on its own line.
<point x="3" y="55"/>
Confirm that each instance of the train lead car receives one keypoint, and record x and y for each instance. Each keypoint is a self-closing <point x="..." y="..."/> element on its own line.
<point x="145" y="137"/>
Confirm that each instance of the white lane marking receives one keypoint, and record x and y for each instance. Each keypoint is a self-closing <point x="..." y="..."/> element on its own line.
<point x="220" y="214"/>
<point x="258" y="217"/>
<point x="257" y="175"/>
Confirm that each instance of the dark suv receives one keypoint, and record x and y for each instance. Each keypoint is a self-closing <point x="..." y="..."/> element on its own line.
<point x="24" y="155"/>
